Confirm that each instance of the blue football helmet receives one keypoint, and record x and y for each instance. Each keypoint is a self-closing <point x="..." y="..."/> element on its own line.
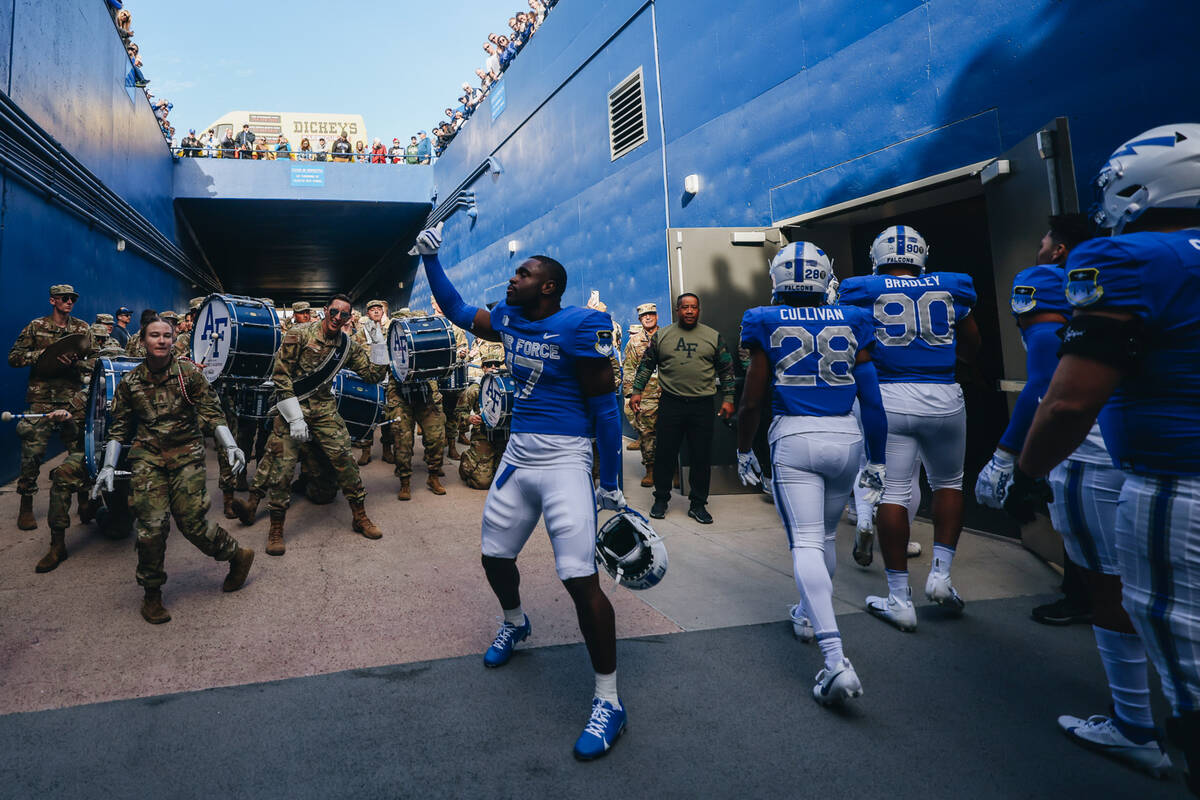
<point x="899" y="244"/>
<point x="629" y="550"/>
<point x="1156" y="169"/>
<point x="802" y="268"/>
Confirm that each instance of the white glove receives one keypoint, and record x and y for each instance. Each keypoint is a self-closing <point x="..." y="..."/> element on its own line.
<point x="611" y="499"/>
<point x="233" y="453"/>
<point x="379" y="353"/>
<point x="289" y="409"/>
<point x="993" y="480"/>
<point x="870" y="481"/>
<point x="108" y="472"/>
<point x="429" y="240"/>
<point x="748" y="469"/>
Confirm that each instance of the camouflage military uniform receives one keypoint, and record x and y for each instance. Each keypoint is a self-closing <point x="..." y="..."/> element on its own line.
<point x="481" y="459"/>
<point x="47" y="394"/>
<point x="450" y="399"/>
<point x="304" y="348"/>
<point x="161" y="414"/>
<point x="136" y="347"/>
<point x="366" y="333"/>
<point x="409" y="406"/>
<point x="316" y="473"/>
<point x="183" y="345"/>
<point x="647" y="418"/>
<point x="100" y="338"/>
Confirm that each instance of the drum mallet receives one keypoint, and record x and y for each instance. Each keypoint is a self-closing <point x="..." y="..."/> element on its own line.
<point x="8" y="416"/>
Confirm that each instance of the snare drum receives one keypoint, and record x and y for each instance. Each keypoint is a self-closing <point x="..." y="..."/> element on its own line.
<point x="107" y="373"/>
<point x="254" y="402"/>
<point x="455" y="380"/>
<point x="236" y="338"/>
<point x="496" y="393"/>
<point x="359" y="403"/>
<point x="421" y="348"/>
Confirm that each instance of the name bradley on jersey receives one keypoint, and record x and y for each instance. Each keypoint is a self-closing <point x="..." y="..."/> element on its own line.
<point x="900" y="283"/>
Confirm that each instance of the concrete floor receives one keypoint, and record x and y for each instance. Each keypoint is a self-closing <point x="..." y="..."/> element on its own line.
<point x="395" y="628"/>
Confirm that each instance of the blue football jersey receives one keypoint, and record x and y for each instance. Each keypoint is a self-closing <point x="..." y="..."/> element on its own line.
<point x="1041" y="289"/>
<point x="811" y="350"/>
<point x="1152" y="422"/>
<point x="914" y="321"/>
<point x="541" y="356"/>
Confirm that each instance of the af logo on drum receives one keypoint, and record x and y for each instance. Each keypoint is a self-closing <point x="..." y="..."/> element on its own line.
<point x="496" y="392"/>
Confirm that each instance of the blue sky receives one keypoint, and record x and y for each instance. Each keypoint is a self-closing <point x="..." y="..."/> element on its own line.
<point x="397" y="64"/>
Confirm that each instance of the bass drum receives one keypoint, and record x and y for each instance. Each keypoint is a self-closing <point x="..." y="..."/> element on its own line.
<point x="455" y="380"/>
<point x="236" y="338"/>
<point x="496" y="393"/>
<point x="421" y="348"/>
<point x="359" y="403"/>
<point x="254" y="402"/>
<point x="107" y="373"/>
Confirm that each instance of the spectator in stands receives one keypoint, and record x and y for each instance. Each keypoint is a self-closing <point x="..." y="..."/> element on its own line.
<point x="261" y="153"/>
<point x="410" y="152"/>
<point x="360" y="152"/>
<point x="506" y="51"/>
<point x="124" y="22"/>
<point x="396" y="152"/>
<point x="322" y="152"/>
<point x="208" y="143"/>
<point x="493" y="61"/>
<point x="485" y="80"/>
<point x="228" y="148"/>
<point x="341" y="148"/>
<point x="283" y="149"/>
<point x="190" y="144"/>
<point x="378" y="152"/>
<point x="424" y="146"/>
<point x="306" y="151"/>
<point x="459" y="119"/>
<point x="245" y="141"/>
<point x="539" y="13"/>
<point x="464" y="99"/>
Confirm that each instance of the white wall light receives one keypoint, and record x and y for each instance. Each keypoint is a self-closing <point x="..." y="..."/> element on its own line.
<point x="691" y="184"/>
<point x="512" y="246"/>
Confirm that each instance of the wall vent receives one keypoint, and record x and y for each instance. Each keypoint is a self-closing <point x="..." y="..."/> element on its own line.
<point x="627" y="115"/>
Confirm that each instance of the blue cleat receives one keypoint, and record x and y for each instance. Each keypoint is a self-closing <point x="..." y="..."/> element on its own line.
<point x="506" y="639"/>
<point x="601" y="732"/>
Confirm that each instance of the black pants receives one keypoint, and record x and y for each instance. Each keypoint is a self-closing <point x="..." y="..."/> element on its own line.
<point x="679" y="418"/>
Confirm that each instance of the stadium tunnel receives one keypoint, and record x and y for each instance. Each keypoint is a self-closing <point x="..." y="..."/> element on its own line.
<point x="303" y="230"/>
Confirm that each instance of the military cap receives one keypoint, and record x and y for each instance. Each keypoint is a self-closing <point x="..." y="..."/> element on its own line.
<point x="106" y="319"/>
<point x="300" y="307"/>
<point x="374" y="303"/>
<point x="169" y="315"/>
<point x="99" y="331"/>
<point x="195" y="303"/>
<point x="647" y="308"/>
<point x="59" y="289"/>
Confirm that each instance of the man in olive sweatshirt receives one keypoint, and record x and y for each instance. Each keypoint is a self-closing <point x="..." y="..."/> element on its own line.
<point x="693" y="366"/>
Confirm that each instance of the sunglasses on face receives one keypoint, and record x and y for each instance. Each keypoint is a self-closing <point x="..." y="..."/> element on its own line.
<point x="340" y="314"/>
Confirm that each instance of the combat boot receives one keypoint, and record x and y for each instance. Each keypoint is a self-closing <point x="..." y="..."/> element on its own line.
<point x="25" y="520"/>
<point x="389" y="456"/>
<point x="57" y="553"/>
<point x="463" y="439"/>
<point x="364" y="457"/>
<point x="405" y="492"/>
<point x="246" y="510"/>
<point x="275" y="546"/>
<point x="229" y="512"/>
<point x="435" y="485"/>
<point x="452" y="450"/>
<point x="152" y="608"/>
<point x="362" y="523"/>
<point x="634" y="444"/>
<point x="87" y="507"/>
<point x="648" y="479"/>
<point x="239" y="568"/>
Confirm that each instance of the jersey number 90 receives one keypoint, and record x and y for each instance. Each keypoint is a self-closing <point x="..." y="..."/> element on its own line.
<point x="824" y="345"/>
<point x="916" y="318"/>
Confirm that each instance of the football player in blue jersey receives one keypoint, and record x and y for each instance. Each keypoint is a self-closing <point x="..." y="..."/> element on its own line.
<point x="923" y="325"/>
<point x="565" y="394"/>
<point x="1131" y="355"/>
<point x="1086" y="489"/>
<point x="816" y="358"/>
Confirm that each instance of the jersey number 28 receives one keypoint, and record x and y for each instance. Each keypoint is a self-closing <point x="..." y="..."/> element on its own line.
<point x="823" y="345"/>
<point x="916" y="318"/>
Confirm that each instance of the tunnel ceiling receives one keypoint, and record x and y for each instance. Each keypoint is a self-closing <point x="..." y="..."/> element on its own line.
<point x="292" y="250"/>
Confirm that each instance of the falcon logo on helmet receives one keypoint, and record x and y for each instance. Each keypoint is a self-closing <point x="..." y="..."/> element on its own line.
<point x="1156" y="169"/>
<point x="630" y="551"/>
<point x="801" y="268"/>
<point x="899" y="245"/>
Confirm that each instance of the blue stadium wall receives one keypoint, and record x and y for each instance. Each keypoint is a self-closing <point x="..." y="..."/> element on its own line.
<point x="64" y="65"/>
<point x="783" y="108"/>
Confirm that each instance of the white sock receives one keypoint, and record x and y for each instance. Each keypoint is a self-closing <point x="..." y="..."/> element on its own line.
<point x="1124" y="659"/>
<point x="816" y="587"/>
<point x="831" y="648"/>
<point x="514" y="616"/>
<point x="897" y="583"/>
<point x="864" y="510"/>
<point x="943" y="557"/>
<point x="606" y="688"/>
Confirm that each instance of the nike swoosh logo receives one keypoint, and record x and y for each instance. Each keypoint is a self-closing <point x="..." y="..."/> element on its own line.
<point x="549" y="335"/>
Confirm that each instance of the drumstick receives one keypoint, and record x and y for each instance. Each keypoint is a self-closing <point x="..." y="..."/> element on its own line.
<point x="8" y="416"/>
<point x="212" y="338"/>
